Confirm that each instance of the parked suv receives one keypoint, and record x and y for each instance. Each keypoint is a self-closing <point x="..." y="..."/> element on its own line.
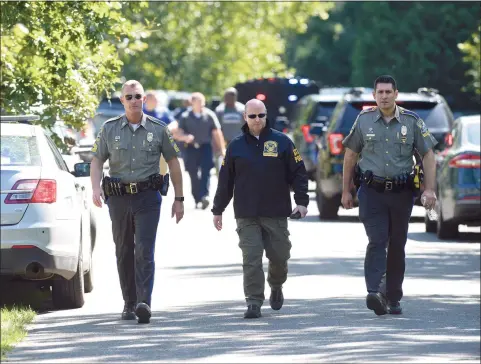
<point x="45" y="216"/>
<point x="311" y="119"/>
<point x="427" y="103"/>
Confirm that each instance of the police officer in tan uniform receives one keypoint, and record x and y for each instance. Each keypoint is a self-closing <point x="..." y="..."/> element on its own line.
<point x="386" y="137"/>
<point x="133" y="143"/>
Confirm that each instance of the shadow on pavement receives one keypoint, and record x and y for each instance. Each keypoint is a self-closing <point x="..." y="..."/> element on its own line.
<point x="428" y="265"/>
<point x="334" y="330"/>
<point x="464" y="237"/>
<point x="345" y="219"/>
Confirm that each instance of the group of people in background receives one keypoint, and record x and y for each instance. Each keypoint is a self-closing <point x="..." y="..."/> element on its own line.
<point x="202" y="134"/>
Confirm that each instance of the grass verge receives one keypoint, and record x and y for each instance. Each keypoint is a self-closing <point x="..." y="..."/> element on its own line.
<point x="13" y="321"/>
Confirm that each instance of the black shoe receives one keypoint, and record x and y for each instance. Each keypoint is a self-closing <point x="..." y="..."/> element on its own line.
<point x="277" y="299"/>
<point x="253" y="311"/>
<point x="143" y="313"/>
<point x="376" y="302"/>
<point x="205" y="203"/>
<point x="394" y="308"/>
<point x="128" y="312"/>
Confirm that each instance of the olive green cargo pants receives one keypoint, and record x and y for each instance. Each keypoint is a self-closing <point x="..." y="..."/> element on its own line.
<point x="255" y="236"/>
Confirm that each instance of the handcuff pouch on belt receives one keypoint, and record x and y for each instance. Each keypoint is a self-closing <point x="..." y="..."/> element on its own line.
<point x="160" y="183"/>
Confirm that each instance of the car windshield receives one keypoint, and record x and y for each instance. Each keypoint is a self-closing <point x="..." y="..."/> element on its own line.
<point x="472" y="132"/>
<point x="324" y="111"/>
<point x="19" y="151"/>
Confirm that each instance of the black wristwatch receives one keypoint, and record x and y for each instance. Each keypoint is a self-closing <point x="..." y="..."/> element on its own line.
<point x="181" y="199"/>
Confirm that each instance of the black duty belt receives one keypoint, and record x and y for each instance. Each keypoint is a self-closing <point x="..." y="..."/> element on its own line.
<point x="396" y="184"/>
<point x="136" y="187"/>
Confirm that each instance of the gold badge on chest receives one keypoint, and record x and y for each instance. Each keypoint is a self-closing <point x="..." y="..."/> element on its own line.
<point x="404" y="131"/>
<point x="270" y="149"/>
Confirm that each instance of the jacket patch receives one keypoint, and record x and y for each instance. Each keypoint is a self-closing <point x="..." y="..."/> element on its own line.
<point x="270" y="149"/>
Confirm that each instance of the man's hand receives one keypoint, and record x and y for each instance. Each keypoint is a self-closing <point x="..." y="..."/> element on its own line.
<point x="428" y="199"/>
<point x="189" y="139"/>
<point x="178" y="210"/>
<point x="302" y="210"/>
<point x="97" y="197"/>
<point x="218" y="222"/>
<point x="347" y="200"/>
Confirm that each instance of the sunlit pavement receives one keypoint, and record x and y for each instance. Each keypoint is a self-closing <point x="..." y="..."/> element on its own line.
<point x="198" y="301"/>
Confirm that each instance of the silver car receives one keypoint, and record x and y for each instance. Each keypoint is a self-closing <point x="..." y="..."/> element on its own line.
<point x="45" y="217"/>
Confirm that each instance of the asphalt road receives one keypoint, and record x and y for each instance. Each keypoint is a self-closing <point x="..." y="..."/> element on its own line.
<point x="198" y="301"/>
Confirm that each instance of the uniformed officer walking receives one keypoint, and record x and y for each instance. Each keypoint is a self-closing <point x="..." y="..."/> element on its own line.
<point x="133" y="144"/>
<point x="260" y="167"/>
<point x="230" y="115"/>
<point x="385" y="137"/>
<point x="198" y="127"/>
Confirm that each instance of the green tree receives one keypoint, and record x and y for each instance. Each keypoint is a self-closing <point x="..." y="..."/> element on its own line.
<point x="416" y="43"/>
<point x="471" y="50"/>
<point x="58" y="57"/>
<point x="322" y="53"/>
<point x="207" y="46"/>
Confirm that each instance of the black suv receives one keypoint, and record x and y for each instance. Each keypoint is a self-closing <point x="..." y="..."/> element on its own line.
<point x="427" y="103"/>
<point x="311" y="117"/>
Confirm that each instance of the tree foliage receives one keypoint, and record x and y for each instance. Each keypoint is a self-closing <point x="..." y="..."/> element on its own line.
<point x="57" y="57"/>
<point x="415" y="42"/>
<point x="472" y="53"/>
<point x="207" y="46"/>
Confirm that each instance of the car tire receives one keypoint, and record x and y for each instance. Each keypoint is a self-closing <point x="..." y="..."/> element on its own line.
<point x="69" y="293"/>
<point x="445" y="229"/>
<point x="429" y="224"/>
<point x="328" y="207"/>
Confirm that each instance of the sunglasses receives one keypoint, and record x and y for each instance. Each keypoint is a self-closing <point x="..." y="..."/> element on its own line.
<point x="253" y="116"/>
<point x="129" y="97"/>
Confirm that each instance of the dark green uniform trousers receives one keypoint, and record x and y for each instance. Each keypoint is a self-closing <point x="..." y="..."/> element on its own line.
<point x="255" y="236"/>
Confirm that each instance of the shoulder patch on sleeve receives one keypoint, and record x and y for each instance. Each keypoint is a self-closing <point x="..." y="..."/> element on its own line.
<point x="422" y="126"/>
<point x="371" y="109"/>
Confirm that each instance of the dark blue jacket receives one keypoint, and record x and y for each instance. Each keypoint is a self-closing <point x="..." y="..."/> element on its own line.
<point x="260" y="175"/>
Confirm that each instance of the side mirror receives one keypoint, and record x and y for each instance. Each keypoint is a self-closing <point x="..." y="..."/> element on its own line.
<point x="81" y="170"/>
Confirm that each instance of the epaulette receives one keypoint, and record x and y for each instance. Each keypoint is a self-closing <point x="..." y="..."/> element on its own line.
<point x="155" y="120"/>
<point x="409" y="112"/>
<point x="371" y="109"/>
<point x="113" y="119"/>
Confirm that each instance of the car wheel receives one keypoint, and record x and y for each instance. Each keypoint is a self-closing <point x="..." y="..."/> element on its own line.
<point x="69" y="293"/>
<point x="328" y="207"/>
<point x="446" y="229"/>
<point x="429" y="224"/>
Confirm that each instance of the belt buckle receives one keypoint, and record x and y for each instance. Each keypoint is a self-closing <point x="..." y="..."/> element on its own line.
<point x="133" y="188"/>
<point x="388" y="185"/>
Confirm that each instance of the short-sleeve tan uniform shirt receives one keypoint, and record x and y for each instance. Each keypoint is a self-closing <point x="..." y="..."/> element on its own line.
<point x="387" y="149"/>
<point x="134" y="154"/>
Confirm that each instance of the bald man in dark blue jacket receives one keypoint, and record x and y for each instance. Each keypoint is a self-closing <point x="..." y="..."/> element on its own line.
<point x="260" y="168"/>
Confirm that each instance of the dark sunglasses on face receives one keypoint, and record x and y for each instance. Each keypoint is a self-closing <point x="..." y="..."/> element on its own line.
<point x="129" y="97"/>
<point x="253" y="116"/>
